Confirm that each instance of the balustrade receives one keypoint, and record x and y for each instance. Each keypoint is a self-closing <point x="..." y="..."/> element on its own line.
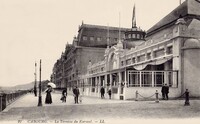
<point x="8" y="98"/>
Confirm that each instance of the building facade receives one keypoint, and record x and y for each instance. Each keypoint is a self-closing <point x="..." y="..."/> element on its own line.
<point x="88" y="46"/>
<point x="169" y="54"/>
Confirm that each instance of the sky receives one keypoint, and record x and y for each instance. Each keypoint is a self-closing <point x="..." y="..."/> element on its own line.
<point x="31" y="30"/>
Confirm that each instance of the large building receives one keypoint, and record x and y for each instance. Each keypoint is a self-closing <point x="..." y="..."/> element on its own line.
<point x="88" y="46"/>
<point x="170" y="54"/>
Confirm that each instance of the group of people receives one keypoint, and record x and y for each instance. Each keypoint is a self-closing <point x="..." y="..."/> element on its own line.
<point x="78" y="97"/>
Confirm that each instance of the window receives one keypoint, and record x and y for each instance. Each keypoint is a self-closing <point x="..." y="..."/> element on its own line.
<point x="91" y="38"/>
<point x="84" y="37"/>
<point x="122" y="63"/>
<point x="129" y="36"/>
<point x="99" y="39"/>
<point x="146" y="79"/>
<point x="116" y="39"/>
<point x="141" y="58"/>
<point x="159" y="53"/>
<point x="133" y="36"/>
<point x="142" y="37"/>
<point x="133" y="60"/>
<point x="148" y="56"/>
<point x="169" y="50"/>
<point x="138" y="36"/>
<point x="134" y="79"/>
<point x="128" y="61"/>
<point x="159" y="79"/>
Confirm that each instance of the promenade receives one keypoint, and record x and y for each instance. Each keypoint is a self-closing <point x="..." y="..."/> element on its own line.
<point x="96" y="110"/>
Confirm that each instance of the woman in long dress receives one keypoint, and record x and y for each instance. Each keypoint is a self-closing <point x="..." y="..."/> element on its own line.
<point x="48" y="99"/>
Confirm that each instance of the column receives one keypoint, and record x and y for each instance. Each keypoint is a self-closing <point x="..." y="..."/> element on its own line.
<point x="131" y="79"/>
<point x="175" y="78"/>
<point x="99" y="80"/>
<point x="140" y="79"/>
<point x="106" y="80"/>
<point x="120" y="77"/>
<point x="125" y="79"/>
<point x="152" y="78"/>
<point x="166" y="73"/>
<point x="111" y="79"/>
<point x="99" y="86"/>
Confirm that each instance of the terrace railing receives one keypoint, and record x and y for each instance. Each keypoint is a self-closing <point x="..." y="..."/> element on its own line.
<point x="8" y="98"/>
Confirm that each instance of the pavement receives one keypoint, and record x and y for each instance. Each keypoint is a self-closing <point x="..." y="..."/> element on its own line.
<point x="96" y="110"/>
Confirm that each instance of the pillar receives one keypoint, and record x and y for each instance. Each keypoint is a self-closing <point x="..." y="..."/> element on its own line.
<point x="106" y="80"/>
<point x="153" y="83"/>
<point x="120" y="77"/>
<point x="140" y="79"/>
<point x="111" y="80"/>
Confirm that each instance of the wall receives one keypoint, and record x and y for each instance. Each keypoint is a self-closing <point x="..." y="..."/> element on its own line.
<point x="86" y="54"/>
<point x="191" y="71"/>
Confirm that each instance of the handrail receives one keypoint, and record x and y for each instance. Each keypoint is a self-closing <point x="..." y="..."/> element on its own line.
<point x="8" y="98"/>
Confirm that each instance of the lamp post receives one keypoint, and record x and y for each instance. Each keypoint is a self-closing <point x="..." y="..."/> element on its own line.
<point x="40" y="96"/>
<point x="35" y="86"/>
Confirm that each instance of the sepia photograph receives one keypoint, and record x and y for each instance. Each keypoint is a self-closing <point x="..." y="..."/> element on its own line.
<point x="99" y="61"/>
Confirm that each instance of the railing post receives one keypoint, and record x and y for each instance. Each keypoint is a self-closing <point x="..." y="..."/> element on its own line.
<point x="1" y="102"/>
<point x="136" y="95"/>
<point x="4" y="101"/>
<point x="157" y="99"/>
<point x="7" y="99"/>
<point x="187" y="103"/>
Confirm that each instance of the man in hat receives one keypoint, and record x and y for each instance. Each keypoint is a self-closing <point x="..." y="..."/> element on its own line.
<point x="76" y="94"/>
<point x="165" y="91"/>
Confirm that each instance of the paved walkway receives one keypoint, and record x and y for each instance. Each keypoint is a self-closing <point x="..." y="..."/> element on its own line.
<point x="30" y="100"/>
<point x="94" y="110"/>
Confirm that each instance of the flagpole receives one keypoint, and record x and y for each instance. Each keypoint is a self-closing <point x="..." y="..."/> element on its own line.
<point x="119" y="28"/>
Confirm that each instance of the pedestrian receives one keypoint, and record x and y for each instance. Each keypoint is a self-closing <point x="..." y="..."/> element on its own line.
<point x="165" y="91"/>
<point x="64" y="95"/>
<point x="102" y="92"/>
<point x="109" y="93"/>
<point x="76" y="94"/>
<point x="35" y="91"/>
<point x="48" y="99"/>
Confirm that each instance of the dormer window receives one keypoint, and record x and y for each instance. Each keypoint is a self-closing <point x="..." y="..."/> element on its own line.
<point x="84" y="37"/>
<point x="91" y="38"/>
<point x="98" y="38"/>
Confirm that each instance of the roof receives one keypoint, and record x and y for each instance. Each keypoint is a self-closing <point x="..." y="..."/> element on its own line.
<point x="97" y="31"/>
<point x="102" y="27"/>
<point x="186" y="9"/>
<point x="170" y="18"/>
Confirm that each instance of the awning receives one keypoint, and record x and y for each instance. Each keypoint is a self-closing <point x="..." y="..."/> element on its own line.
<point x="153" y="62"/>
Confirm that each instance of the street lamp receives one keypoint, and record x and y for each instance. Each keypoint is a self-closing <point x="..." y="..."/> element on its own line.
<point x="35" y="86"/>
<point x="40" y="96"/>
